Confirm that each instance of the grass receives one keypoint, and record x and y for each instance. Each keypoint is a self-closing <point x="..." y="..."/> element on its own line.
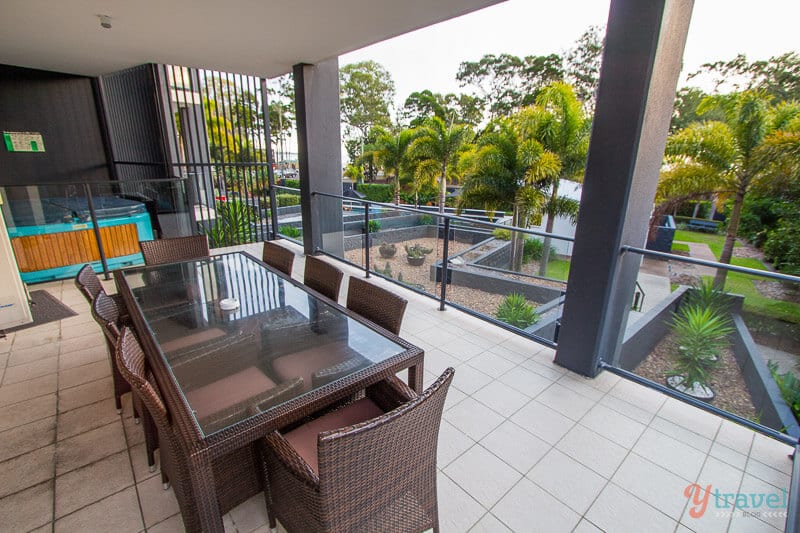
<point x="738" y="283"/>
<point x="558" y="269"/>
<point x="680" y="247"/>
<point x="714" y="241"/>
<point x="754" y="302"/>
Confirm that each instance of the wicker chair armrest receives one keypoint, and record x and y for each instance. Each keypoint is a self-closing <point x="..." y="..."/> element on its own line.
<point x="390" y="393"/>
<point x="281" y="450"/>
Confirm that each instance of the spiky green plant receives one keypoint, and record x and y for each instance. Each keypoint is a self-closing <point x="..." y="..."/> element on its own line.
<point x="701" y="334"/>
<point x="515" y="310"/>
<point x="416" y="250"/>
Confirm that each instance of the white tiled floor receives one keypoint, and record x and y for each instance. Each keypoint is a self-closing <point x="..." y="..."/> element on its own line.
<point x="524" y="444"/>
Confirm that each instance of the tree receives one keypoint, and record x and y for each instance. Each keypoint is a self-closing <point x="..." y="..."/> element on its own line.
<point x="391" y="152"/>
<point x="778" y="77"/>
<point x="583" y="65"/>
<point x="558" y="122"/>
<point x="462" y="108"/>
<point x="281" y="112"/>
<point x="506" y="83"/>
<point x="505" y="172"/>
<point x="725" y="155"/>
<point x="367" y="91"/>
<point x="436" y="148"/>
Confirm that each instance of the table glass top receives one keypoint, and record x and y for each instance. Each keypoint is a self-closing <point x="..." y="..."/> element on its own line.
<point x="276" y="343"/>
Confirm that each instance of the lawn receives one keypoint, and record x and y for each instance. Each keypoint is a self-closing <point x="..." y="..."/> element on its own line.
<point x="558" y="269"/>
<point x="738" y="283"/>
<point x="680" y="247"/>
<point x="714" y="241"/>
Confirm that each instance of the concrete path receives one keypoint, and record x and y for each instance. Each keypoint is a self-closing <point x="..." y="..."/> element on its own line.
<point x="698" y="250"/>
<point x="787" y="362"/>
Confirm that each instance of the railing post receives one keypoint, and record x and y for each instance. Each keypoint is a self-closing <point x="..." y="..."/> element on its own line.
<point x="445" y="262"/>
<point x="88" y="191"/>
<point x="366" y="238"/>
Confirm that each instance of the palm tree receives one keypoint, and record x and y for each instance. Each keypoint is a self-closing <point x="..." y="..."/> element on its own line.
<point x="729" y="151"/>
<point x="436" y="148"/>
<point x="559" y="123"/>
<point x="504" y="172"/>
<point x="391" y="151"/>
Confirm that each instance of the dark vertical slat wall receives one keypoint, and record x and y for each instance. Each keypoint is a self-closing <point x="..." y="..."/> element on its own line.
<point x="61" y="107"/>
<point x="134" y="123"/>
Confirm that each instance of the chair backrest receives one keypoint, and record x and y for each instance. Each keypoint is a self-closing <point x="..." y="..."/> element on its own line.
<point x="174" y="249"/>
<point x="370" y="455"/>
<point x="376" y="304"/>
<point x="88" y="283"/>
<point x="131" y="363"/>
<point x="106" y="313"/>
<point x="323" y="277"/>
<point x="278" y="257"/>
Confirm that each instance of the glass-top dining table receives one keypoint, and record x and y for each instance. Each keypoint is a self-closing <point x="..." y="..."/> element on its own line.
<point x="239" y="349"/>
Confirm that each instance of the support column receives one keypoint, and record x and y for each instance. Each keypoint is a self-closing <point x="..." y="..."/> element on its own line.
<point x="316" y="89"/>
<point x="640" y="69"/>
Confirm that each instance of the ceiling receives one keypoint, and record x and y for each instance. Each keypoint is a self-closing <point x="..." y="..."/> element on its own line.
<point x="259" y="37"/>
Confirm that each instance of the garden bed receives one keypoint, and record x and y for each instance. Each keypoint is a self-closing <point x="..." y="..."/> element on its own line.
<point x="727" y="379"/>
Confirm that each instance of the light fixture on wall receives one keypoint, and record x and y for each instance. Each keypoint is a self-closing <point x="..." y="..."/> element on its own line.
<point x="105" y="21"/>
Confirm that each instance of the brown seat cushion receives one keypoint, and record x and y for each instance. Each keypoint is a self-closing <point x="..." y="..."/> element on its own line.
<point x="228" y="391"/>
<point x="192" y="339"/>
<point x="304" y="438"/>
<point x="305" y="363"/>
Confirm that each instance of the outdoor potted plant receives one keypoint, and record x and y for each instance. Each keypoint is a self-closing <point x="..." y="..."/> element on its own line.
<point x="387" y="250"/>
<point x="416" y="254"/>
<point x="701" y="334"/>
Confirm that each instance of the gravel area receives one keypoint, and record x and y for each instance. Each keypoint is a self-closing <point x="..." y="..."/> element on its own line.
<point x="419" y="276"/>
<point x="726" y="380"/>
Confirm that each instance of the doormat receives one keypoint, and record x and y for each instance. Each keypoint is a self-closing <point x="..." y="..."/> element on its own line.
<point x="45" y="308"/>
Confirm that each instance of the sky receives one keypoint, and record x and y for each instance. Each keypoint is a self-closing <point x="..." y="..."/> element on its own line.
<point x="429" y="58"/>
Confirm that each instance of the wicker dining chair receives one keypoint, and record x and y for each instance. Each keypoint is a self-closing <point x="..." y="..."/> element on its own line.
<point x="175" y="249"/>
<point x="278" y="257"/>
<point x="323" y="277"/>
<point x="238" y="475"/>
<point x="88" y="283"/>
<point x="368" y="466"/>
<point x="106" y="313"/>
<point x="376" y="304"/>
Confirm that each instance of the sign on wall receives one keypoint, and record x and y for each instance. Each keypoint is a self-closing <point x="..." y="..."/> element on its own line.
<point x="23" y="141"/>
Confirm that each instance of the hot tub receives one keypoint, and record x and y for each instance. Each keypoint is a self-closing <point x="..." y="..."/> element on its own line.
<point x="53" y="237"/>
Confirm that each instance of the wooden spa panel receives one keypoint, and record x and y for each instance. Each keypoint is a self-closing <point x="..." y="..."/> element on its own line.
<point x="53" y="250"/>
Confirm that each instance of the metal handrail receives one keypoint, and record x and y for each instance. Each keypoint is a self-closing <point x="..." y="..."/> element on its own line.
<point x="448" y="216"/>
<point x="713" y="264"/>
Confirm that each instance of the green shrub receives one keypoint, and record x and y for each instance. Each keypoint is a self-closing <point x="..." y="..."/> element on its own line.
<point x="287" y="199"/>
<point x="232" y="225"/>
<point x="704" y="296"/>
<point x="789" y="386"/>
<point x="532" y="250"/>
<point x="417" y="250"/>
<point x="515" y="310"/>
<point x="502" y="234"/>
<point x="386" y="271"/>
<point x="374" y="226"/>
<point x="294" y="184"/>
<point x="701" y="334"/>
<point x="377" y="192"/>
<point x="291" y="232"/>
<point x="425" y="220"/>
<point x="782" y="246"/>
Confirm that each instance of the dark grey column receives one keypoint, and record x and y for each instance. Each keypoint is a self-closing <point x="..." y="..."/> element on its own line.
<point x="641" y="64"/>
<point x="316" y="89"/>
